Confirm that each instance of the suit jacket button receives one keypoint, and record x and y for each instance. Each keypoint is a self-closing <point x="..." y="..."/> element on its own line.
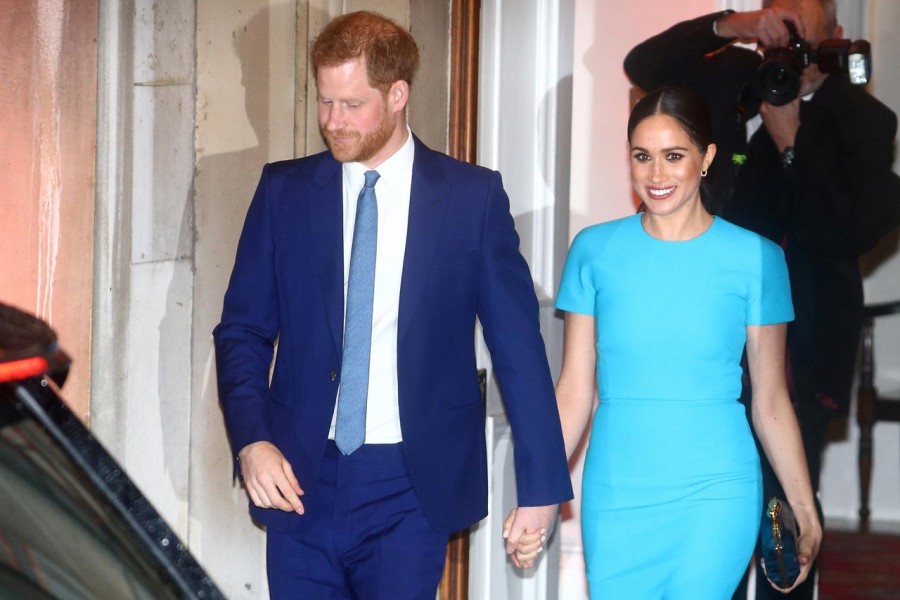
<point x="333" y="374"/>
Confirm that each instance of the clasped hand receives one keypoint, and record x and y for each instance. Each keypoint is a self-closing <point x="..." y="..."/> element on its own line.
<point x="526" y="530"/>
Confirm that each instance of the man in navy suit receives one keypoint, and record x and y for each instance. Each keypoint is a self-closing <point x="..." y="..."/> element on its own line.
<point x="373" y="521"/>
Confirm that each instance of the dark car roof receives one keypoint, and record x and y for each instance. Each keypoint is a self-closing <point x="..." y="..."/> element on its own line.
<point x="73" y="523"/>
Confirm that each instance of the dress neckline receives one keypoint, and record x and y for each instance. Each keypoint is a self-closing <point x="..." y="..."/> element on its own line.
<point x="699" y="236"/>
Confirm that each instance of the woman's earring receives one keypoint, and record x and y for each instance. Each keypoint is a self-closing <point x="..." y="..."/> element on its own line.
<point x="703" y="173"/>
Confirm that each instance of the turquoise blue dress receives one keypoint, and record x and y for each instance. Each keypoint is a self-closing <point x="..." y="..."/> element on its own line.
<point x="672" y="492"/>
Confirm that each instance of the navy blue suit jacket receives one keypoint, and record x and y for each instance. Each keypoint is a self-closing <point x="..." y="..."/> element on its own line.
<point x="462" y="261"/>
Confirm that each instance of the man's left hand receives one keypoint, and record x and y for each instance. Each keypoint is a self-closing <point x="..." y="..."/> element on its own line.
<point x="782" y="122"/>
<point x="526" y="527"/>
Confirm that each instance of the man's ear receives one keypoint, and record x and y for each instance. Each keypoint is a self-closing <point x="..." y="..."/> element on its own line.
<point x="839" y="32"/>
<point x="398" y="96"/>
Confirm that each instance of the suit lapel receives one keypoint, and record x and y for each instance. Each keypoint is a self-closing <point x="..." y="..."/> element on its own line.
<point x="428" y="204"/>
<point x="326" y="226"/>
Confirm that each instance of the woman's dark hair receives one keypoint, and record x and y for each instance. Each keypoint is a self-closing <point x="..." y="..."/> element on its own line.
<point x="683" y="105"/>
<point x="688" y="108"/>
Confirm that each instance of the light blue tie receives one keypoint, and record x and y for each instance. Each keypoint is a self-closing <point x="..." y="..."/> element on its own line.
<point x="350" y="428"/>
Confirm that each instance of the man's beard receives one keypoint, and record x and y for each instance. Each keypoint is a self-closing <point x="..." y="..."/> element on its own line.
<point x="362" y="147"/>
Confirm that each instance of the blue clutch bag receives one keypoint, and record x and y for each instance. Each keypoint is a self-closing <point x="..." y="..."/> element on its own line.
<point x="778" y="537"/>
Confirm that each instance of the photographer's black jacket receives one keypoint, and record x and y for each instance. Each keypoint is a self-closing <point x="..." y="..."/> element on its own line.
<point x="837" y="199"/>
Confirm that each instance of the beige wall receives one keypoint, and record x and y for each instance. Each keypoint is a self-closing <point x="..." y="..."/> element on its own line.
<point x="48" y="75"/>
<point x="249" y="106"/>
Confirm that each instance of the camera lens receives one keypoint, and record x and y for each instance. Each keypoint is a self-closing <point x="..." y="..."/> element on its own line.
<point x="777" y="80"/>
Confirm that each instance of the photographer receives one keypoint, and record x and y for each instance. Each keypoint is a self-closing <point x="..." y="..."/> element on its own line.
<point x="813" y="174"/>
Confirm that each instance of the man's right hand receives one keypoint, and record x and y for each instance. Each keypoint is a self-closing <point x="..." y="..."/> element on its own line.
<point x="269" y="478"/>
<point x="766" y="26"/>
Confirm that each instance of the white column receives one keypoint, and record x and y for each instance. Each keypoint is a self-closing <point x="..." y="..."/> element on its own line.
<point x="524" y="121"/>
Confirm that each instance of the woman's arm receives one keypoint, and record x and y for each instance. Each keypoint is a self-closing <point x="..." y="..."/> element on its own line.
<point x="776" y="427"/>
<point x="577" y="385"/>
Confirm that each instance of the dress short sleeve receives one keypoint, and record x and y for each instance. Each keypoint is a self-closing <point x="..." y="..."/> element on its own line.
<point x="577" y="290"/>
<point x="769" y="301"/>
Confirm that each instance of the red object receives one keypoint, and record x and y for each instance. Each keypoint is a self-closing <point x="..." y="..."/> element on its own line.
<point x="23" y="368"/>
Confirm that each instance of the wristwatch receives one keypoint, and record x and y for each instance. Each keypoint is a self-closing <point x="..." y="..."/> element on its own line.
<point x="788" y="156"/>
<point x="718" y="16"/>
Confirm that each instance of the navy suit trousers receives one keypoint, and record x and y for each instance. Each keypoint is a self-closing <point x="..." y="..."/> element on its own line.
<point x="364" y="534"/>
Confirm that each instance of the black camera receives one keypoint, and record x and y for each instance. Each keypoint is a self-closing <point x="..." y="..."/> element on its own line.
<point x="777" y="79"/>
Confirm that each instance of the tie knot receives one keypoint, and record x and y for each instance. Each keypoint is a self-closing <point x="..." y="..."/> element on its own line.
<point x="371" y="178"/>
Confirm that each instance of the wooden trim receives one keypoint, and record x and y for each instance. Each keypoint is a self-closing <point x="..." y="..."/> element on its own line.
<point x="455" y="580"/>
<point x="462" y="136"/>
<point x="464" y="37"/>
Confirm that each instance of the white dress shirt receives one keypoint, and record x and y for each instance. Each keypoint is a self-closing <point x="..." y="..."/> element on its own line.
<point x="392" y="192"/>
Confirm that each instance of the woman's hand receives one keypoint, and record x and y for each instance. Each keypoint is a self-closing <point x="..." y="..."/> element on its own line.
<point x="528" y="546"/>
<point x="808" y="543"/>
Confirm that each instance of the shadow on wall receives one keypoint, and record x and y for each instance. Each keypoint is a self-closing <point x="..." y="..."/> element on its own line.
<point x="223" y="187"/>
<point x="557" y="211"/>
<point x="213" y="214"/>
<point x="239" y="92"/>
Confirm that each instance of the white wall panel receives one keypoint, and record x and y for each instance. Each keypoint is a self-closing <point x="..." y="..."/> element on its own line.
<point x="524" y="124"/>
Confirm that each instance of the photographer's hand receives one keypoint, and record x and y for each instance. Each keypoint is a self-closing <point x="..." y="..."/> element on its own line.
<point x="766" y="26"/>
<point x="782" y="122"/>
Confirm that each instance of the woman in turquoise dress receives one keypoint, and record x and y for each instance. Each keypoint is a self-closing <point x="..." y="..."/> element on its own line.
<point x="660" y="307"/>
